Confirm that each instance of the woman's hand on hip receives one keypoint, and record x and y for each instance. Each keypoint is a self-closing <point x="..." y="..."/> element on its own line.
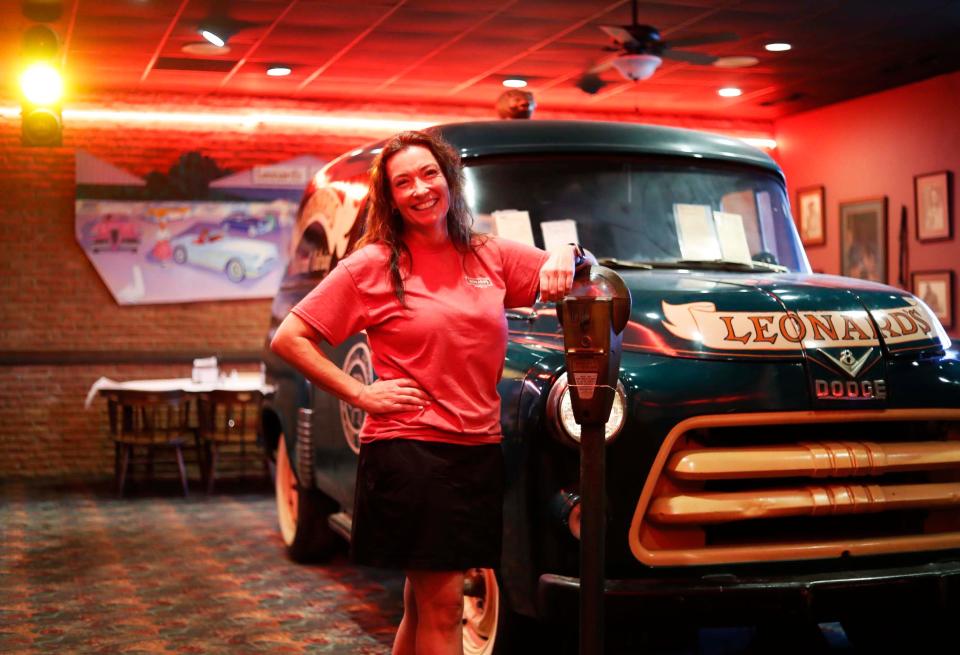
<point x="556" y="275"/>
<point x="388" y="396"/>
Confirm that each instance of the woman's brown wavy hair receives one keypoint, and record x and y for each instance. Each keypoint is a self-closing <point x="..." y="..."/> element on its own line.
<point x="383" y="221"/>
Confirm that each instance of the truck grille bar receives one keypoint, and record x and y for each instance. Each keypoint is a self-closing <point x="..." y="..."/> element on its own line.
<point x="753" y="487"/>
<point x="801" y="501"/>
<point x="812" y="459"/>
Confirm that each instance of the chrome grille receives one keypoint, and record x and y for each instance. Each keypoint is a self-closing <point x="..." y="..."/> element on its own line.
<point x="778" y="486"/>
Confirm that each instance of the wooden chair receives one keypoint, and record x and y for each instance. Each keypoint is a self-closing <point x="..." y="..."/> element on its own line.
<point x="230" y="429"/>
<point x="148" y="421"/>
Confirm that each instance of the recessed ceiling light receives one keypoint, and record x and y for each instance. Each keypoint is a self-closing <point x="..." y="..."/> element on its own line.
<point x="514" y="83"/>
<point x="278" y="70"/>
<point x="778" y="47"/>
<point x="736" y="62"/>
<point x="213" y="38"/>
<point x="729" y="92"/>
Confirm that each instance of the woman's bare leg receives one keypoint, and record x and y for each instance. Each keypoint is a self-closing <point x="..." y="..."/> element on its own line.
<point x="406" y="640"/>
<point x="439" y="602"/>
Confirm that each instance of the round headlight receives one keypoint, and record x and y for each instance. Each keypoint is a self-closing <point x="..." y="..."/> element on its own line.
<point x="560" y="411"/>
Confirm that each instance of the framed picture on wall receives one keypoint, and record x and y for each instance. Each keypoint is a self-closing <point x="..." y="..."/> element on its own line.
<point x="811" y="216"/>
<point x="863" y="239"/>
<point x="933" y="202"/>
<point x="935" y="288"/>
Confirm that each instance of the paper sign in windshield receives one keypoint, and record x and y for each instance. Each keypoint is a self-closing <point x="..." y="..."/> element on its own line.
<point x="696" y="232"/>
<point x="733" y="238"/>
<point x="514" y="224"/>
<point x="558" y="233"/>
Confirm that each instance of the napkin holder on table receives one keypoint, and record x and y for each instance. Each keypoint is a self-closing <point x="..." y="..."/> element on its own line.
<point x="205" y="371"/>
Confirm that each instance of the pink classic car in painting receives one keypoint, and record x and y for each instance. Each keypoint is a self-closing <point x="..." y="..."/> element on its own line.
<point x="114" y="232"/>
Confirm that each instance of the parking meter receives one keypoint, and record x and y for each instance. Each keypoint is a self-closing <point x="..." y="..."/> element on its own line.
<point x="593" y="315"/>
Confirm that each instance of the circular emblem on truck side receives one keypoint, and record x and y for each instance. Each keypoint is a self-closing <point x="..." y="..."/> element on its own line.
<point x="358" y="365"/>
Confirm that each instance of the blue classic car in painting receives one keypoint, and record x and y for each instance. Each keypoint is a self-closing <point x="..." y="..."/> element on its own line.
<point x="784" y="446"/>
<point x="209" y="246"/>
<point x="242" y="223"/>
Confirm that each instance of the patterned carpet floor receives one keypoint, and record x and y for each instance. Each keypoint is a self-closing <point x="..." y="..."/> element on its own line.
<point x="84" y="572"/>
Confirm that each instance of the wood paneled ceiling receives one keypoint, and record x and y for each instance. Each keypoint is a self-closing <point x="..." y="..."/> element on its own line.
<point x="436" y="52"/>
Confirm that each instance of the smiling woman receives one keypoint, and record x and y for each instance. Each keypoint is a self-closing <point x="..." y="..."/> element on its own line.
<point x="430" y="475"/>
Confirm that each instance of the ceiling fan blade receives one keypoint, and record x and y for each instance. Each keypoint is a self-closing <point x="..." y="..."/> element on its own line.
<point x="600" y="66"/>
<point x="719" y="37"/>
<point x="619" y="33"/>
<point x="687" y="56"/>
<point x="590" y="83"/>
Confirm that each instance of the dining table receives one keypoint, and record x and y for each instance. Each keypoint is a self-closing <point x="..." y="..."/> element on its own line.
<point x="193" y="387"/>
<point x="224" y="382"/>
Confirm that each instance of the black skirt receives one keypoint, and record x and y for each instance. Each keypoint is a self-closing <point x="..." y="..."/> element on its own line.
<point x="428" y="506"/>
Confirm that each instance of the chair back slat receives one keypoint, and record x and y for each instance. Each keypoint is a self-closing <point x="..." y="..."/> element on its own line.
<point x="230" y="416"/>
<point x="148" y="416"/>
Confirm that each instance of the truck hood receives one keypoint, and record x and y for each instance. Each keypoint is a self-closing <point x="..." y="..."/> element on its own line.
<point x="845" y="330"/>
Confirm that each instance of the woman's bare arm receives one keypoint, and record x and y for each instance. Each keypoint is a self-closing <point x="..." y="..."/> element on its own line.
<point x="556" y="275"/>
<point x="298" y="343"/>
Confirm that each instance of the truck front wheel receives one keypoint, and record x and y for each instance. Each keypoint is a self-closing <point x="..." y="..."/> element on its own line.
<point x="490" y="627"/>
<point x="302" y="514"/>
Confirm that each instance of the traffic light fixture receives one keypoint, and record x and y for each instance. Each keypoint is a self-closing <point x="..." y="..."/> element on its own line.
<point x="42" y="87"/>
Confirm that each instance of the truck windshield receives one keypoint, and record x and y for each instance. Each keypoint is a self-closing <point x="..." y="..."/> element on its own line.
<point x="637" y="210"/>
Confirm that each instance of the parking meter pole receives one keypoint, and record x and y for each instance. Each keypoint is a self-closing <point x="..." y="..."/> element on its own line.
<point x="593" y="316"/>
<point x="593" y="531"/>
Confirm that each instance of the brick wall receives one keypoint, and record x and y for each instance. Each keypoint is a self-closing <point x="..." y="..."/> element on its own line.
<point x="60" y="329"/>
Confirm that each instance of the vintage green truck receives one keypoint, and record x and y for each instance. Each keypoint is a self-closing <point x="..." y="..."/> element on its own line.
<point x="784" y="444"/>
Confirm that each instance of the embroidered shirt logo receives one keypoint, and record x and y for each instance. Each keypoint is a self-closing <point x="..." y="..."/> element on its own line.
<point x="479" y="282"/>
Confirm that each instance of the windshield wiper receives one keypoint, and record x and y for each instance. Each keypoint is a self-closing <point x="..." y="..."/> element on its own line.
<point x="725" y="265"/>
<point x="714" y="265"/>
<point x="613" y="262"/>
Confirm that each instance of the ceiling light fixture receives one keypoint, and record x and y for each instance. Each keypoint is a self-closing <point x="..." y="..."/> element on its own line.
<point x="778" y="47"/>
<point x="514" y="83"/>
<point x="729" y="92"/>
<point x="637" y="67"/>
<point x="215" y="32"/>
<point x="213" y="38"/>
<point x="278" y="70"/>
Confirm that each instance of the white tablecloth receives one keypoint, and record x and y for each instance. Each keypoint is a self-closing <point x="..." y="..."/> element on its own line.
<point x="239" y="382"/>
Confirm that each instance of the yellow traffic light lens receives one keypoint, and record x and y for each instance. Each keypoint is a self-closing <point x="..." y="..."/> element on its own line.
<point x="42" y="84"/>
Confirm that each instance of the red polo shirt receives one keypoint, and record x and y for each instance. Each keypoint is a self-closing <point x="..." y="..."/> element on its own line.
<point x="451" y="338"/>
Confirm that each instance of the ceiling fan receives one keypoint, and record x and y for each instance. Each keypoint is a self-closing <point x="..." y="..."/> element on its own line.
<point x="640" y="51"/>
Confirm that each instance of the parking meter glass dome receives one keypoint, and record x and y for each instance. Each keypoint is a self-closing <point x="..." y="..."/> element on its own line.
<point x="600" y="282"/>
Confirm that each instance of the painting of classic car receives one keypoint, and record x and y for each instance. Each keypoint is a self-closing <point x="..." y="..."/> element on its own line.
<point x="243" y="223"/>
<point x="115" y="232"/>
<point x="209" y="246"/>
